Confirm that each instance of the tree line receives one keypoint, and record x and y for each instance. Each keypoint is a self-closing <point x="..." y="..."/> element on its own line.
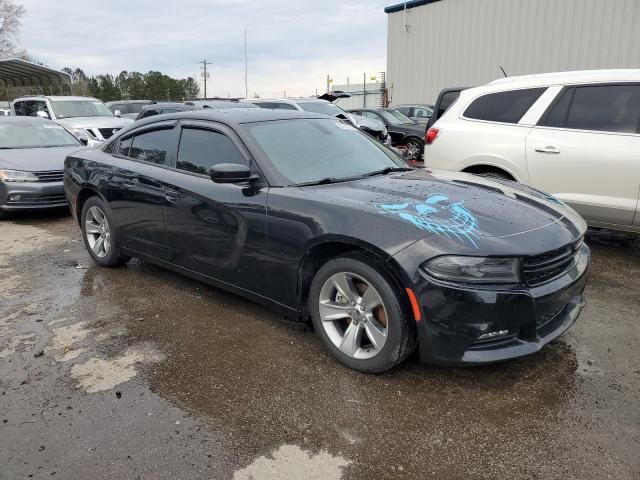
<point x="152" y="85"/>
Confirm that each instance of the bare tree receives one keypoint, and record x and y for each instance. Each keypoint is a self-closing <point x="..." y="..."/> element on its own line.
<point x="10" y="21"/>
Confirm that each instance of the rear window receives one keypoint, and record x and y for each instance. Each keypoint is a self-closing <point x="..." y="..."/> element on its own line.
<point x="504" y="107"/>
<point x="605" y="108"/>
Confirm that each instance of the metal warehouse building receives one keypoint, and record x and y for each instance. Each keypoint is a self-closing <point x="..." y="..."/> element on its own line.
<point x="433" y="44"/>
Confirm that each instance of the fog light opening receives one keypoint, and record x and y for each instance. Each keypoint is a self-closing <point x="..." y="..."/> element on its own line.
<point x="497" y="333"/>
<point x="14" y="197"/>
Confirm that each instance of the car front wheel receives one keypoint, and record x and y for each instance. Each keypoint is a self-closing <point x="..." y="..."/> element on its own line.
<point x="98" y="233"/>
<point x="357" y="310"/>
<point x="414" y="148"/>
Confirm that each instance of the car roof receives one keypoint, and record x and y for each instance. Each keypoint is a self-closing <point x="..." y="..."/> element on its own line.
<point x="233" y="116"/>
<point x="56" y="97"/>
<point x="117" y="102"/>
<point x="572" y="77"/>
<point x="151" y="106"/>
<point x="23" y="119"/>
<point x="413" y="105"/>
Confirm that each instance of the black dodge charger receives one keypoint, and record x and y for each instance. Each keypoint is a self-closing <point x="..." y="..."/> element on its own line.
<point x="310" y="216"/>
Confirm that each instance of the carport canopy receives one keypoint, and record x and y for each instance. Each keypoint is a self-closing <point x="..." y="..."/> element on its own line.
<point x="15" y="72"/>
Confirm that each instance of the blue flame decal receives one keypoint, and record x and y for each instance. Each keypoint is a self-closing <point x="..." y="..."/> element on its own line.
<point x="436" y="216"/>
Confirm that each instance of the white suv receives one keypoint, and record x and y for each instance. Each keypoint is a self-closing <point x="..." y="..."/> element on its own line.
<point x="87" y="118"/>
<point x="575" y="135"/>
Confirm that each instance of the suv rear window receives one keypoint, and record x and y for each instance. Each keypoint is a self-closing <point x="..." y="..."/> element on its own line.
<point x="504" y="107"/>
<point x="604" y="108"/>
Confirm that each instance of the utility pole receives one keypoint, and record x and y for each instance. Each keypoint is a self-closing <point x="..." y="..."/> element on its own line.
<point x="246" y="83"/>
<point x="205" y="75"/>
<point x="364" y="89"/>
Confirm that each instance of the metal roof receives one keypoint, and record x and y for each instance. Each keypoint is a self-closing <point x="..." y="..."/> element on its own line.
<point x="409" y="4"/>
<point x="15" y="72"/>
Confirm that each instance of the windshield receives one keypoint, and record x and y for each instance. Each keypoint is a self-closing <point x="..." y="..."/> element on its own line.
<point x="323" y="107"/>
<point x="310" y="150"/>
<point x="80" y="108"/>
<point x="395" y="118"/>
<point x="33" y="135"/>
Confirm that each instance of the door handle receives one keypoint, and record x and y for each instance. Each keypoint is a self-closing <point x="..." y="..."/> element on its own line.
<point x="548" y="149"/>
<point x="171" y="195"/>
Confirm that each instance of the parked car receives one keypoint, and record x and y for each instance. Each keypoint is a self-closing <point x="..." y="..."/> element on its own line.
<point x="575" y="135"/>
<point x="404" y="132"/>
<point x="418" y="113"/>
<point x="127" y="108"/>
<point x="373" y="127"/>
<point x="5" y="111"/>
<point x="309" y="215"/>
<point x="85" y="117"/>
<point x="32" y="153"/>
<point x="160" y="108"/>
<point x="219" y="103"/>
<point x="446" y="98"/>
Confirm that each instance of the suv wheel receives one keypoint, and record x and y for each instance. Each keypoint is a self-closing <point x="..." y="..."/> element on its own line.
<point x="358" y="312"/>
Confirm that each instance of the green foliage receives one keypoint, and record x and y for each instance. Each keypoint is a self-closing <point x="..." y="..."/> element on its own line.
<point x="133" y="86"/>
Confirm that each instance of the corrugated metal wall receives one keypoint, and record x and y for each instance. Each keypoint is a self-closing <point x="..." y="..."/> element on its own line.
<point x="455" y="43"/>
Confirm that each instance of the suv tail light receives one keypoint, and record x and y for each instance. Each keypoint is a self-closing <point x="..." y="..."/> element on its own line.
<point x="431" y="135"/>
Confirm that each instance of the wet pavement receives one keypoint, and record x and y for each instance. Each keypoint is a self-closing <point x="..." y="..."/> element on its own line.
<point x="137" y="372"/>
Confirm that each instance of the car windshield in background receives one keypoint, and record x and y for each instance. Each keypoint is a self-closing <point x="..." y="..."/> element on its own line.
<point x="314" y="150"/>
<point x="395" y="118"/>
<point x="80" y="108"/>
<point x="325" y="108"/>
<point x="34" y="135"/>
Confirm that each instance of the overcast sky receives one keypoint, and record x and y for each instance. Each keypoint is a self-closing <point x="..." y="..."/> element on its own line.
<point x="292" y="44"/>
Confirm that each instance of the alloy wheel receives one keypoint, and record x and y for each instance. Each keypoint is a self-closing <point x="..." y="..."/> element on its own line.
<point x="353" y="315"/>
<point x="413" y="150"/>
<point x="98" y="233"/>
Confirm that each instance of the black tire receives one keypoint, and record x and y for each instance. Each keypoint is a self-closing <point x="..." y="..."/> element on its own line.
<point x="113" y="257"/>
<point x="419" y="145"/>
<point x="400" y="326"/>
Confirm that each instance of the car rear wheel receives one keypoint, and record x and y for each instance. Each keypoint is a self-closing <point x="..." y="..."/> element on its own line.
<point x="357" y="310"/>
<point x="414" y="148"/>
<point x="98" y="233"/>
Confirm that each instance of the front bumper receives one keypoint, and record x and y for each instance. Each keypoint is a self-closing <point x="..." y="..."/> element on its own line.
<point x="474" y="325"/>
<point x="17" y="196"/>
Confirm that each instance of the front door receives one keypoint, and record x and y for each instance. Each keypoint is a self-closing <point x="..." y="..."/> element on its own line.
<point x="584" y="151"/>
<point x="218" y="230"/>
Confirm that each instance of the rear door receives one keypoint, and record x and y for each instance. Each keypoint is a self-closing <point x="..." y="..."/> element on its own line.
<point x="218" y="230"/>
<point x="585" y="151"/>
<point x="136" y="193"/>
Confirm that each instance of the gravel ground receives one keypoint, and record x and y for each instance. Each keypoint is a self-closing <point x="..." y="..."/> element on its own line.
<point x="137" y="372"/>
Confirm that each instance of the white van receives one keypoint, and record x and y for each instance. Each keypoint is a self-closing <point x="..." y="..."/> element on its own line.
<point x="575" y="135"/>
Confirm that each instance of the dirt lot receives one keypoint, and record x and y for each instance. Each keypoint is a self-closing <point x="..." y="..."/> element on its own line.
<point x="139" y="373"/>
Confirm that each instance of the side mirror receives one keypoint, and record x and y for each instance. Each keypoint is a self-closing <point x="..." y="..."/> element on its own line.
<point x="117" y="113"/>
<point x="230" y="173"/>
<point x="42" y="114"/>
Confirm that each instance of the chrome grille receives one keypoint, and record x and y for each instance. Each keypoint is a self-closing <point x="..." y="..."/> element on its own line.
<point x="49" y="175"/>
<point x="538" y="269"/>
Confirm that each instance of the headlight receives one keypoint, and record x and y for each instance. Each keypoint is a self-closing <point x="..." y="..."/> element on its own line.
<point x="474" y="269"/>
<point x="17" y="176"/>
<point x="80" y="133"/>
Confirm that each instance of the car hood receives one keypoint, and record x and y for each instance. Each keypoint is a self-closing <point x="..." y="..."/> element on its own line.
<point x="364" y="122"/>
<point x="35" y="159"/>
<point x="95" y="122"/>
<point x="456" y="208"/>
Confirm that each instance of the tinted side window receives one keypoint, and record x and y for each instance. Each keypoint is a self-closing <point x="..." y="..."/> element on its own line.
<point x="404" y="110"/>
<point x="447" y="100"/>
<point x="125" y="146"/>
<point x="557" y="115"/>
<point x="607" y="108"/>
<point x="201" y="149"/>
<point x="153" y="146"/>
<point x="19" y="108"/>
<point x="505" y="107"/>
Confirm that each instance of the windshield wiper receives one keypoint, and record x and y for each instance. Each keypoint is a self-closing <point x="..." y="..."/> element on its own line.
<point x="323" y="181"/>
<point x="384" y="171"/>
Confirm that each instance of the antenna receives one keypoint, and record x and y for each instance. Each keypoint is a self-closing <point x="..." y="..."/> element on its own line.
<point x="503" y="72"/>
